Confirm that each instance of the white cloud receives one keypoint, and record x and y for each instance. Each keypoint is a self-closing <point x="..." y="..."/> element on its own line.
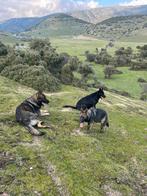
<point x="29" y="8"/>
<point x="134" y="3"/>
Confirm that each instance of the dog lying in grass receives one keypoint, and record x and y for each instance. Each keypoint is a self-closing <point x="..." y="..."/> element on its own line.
<point x="28" y="112"/>
<point x="89" y="101"/>
<point x="93" y="115"/>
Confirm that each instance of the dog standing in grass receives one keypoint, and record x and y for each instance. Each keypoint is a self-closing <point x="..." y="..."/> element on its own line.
<point x="28" y="113"/>
<point x="89" y="101"/>
<point x="93" y="115"/>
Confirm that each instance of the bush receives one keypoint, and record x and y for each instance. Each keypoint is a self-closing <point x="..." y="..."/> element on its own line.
<point x="85" y="70"/>
<point x="36" y="77"/>
<point x="40" y="44"/>
<point x="90" y="57"/>
<point x="66" y="74"/>
<point x="110" y="70"/>
<point x="141" y="80"/>
<point x="140" y="65"/>
<point x="3" y="49"/>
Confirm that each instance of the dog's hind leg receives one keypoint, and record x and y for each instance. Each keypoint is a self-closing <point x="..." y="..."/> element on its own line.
<point x="34" y="131"/>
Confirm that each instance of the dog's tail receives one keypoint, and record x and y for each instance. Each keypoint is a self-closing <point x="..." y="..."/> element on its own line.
<point x="70" y="106"/>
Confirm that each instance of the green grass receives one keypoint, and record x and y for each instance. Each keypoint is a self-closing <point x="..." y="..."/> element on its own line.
<point x="86" y="165"/>
<point x="7" y="38"/>
<point x="123" y="82"/>
<point x="78" y="46"/>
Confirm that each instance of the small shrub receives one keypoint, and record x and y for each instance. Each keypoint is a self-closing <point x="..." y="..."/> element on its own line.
<point x="141" y="80"/>
<point x="36" y="77"/>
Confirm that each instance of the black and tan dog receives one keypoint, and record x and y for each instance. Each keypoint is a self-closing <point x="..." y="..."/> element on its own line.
<point x="93" y="115"/>
<point x="89" y="101"/>
<point x="28" y="113"/>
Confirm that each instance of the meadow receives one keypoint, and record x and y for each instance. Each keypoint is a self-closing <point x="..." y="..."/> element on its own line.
<point x="124" y="82"/>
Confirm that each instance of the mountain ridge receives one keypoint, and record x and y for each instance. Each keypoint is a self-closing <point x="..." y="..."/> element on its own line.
<point x="17" y="25"/>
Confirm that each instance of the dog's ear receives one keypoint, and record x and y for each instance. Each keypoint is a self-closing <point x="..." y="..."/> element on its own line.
<point x="39" y="93"/>
<point x="101" y="88"/>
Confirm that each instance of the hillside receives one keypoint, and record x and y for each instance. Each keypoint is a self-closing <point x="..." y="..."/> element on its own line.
<point x="16" y="25"/>
<point x="7" y="38"/>
<point x="58" y="25"/>
<point x="122" y="27"/>
<point x="67" y="162"/>
<point x="102" y="13"/>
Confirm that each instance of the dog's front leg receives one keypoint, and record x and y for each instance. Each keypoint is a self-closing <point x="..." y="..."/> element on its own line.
<point x="40" y="125"/>
<point x="34" y="131"/>
<point x="44" y="113"/>
<point x="89" y="126"/>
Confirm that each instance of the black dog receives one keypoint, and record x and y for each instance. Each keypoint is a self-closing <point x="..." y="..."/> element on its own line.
<point x="27" y="113"/>
<point x="89" y="101"/>
<point x="93" y="115"/>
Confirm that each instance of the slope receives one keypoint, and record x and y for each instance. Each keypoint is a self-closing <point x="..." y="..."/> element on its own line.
<point x="58" y="25"/>
<point x="16" y="25"/>
<point x="122" y="27"/>
<point x="102" y="13"/>
<point x="66" y="162"/>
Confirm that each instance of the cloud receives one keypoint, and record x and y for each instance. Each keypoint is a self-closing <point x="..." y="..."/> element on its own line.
<point x="134" y="3"/>
<point x="30" y="8"/>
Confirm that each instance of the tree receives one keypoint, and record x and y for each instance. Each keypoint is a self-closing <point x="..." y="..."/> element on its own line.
<point x="103" y="57"/>
<point x="123" y="56"/>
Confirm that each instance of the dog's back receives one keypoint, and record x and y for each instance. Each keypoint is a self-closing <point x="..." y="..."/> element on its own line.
<point x="90" y="100"/>
<point x="95" y="115"/>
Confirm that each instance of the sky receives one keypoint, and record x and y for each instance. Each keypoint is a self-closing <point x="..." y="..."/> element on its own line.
<point x="30" y="8"/>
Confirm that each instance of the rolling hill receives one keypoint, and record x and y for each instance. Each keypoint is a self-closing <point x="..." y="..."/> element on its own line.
<point x="7" y="38"/>
<point x="58" y="25"/>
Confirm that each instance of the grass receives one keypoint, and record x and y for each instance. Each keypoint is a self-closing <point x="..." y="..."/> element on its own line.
<point x="92" y="164"/>
<point x="123" y="82"/>
<point x="78" y="45"/>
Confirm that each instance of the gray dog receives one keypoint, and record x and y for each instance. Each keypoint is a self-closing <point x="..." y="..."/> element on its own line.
<point x="93" y="115"/>
<point x="28" y="112"/>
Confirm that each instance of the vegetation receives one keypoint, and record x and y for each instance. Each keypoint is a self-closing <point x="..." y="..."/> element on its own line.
<point x="122" y="28"/>
<point x="42" y="67"/>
